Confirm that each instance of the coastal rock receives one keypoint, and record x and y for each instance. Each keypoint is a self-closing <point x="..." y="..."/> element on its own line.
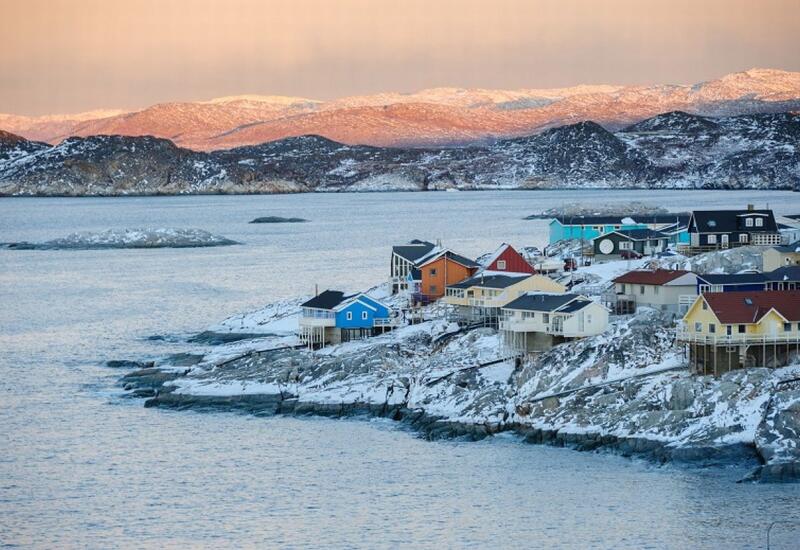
<point x="277" y="219"/>
<point x="129" y="238"/>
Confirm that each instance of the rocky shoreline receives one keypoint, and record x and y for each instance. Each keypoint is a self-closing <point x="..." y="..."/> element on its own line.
<point x="152" y="384"/>
<point x="576" y="396"/>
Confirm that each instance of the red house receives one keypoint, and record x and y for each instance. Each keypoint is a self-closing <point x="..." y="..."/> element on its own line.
<point x="507" y="259"/>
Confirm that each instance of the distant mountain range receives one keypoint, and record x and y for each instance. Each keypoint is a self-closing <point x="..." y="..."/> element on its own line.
<point x="429" y="118"/>
<point x="671" y="150"/>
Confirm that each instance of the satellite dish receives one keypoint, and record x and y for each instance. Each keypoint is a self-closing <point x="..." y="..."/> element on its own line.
<point x="606" y="246"/>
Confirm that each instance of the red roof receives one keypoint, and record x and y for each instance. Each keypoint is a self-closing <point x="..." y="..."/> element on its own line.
<point x="750" y="307"/>
<point x="651" y="277"/>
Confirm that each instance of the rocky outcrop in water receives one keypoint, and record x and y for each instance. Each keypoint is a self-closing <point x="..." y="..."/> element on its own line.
<point x="129" y="238"/>
<point x="675" y="150"/>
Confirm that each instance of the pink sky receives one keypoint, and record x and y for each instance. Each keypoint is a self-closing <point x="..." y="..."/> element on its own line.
<point x="68" y="56"/>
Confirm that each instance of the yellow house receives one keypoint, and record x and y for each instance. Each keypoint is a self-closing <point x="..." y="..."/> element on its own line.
<point x="728" y="330"/>
<point x="479" y="298"/>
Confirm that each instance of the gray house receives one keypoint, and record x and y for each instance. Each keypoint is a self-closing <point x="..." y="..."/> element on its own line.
<point x="645" y="242"/>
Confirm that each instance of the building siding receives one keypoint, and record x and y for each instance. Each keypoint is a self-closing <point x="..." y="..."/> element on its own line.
<point x="440" y="273"/>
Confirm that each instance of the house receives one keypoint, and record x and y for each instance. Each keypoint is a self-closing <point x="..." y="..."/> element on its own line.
<point x="783" y="278"/>
<point x="439" y="269"/>
<point x="331" y="317"/>
<point x="720" y="229"/>
<point x="318" y="318"/>
<point x="404" y="258"/>
<point x="479" y="298"/>
<point x="780" y="256"/>
<point x="723" y="331"/>
<point x="644" y="242"/>
<point x="666" y="289"/>
<point x="361" y="316"/>
<point x="507" y="259"/>
<point x="587" y="228"/>
<point x="733" y="282"/>
<point x="536" y="322"/>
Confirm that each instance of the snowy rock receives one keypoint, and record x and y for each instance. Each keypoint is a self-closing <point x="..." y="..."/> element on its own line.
<point x="129" y="238"/>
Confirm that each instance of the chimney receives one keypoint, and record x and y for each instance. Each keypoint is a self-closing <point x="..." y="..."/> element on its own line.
<point x="316" y="290"/>
<point x="750" y="208"/>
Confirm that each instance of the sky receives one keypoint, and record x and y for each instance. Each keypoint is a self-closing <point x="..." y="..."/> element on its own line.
<point x="63" y="56"/>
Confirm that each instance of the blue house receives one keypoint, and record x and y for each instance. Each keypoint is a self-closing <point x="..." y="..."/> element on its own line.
<point x="736" y="282"/>
<point x="588" y="227"/>
<point x="361" y="316"/>
<point x="331" y="317"/>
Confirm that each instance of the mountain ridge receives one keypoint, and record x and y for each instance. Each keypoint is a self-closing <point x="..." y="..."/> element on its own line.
<point x="670" y="150"/>
<point x="429" y="117"/>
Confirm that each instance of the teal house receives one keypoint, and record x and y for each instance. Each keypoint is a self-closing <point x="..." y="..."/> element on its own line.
<point x="588" y="227"/>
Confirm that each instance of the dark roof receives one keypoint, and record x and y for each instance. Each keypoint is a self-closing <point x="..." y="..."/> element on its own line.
<point x="733" y="278"/>
<point x="466" y="262"/>
<point x="414" y="250"/>
<point x="750" y="307"/>
<point x="540" y="302"/>
<point x="577" y="305"/>
<point x="490" y="281"/>
<point x="328" y="299"/>
<point x="416" y="274"/>
<point x="680" y="217"/>
<point x="638" y="234"/>
<point x="786" y="273"/>
<point x="727" y="221"/>
<point x="651" y="277"/>
<point x="792" y="216"/>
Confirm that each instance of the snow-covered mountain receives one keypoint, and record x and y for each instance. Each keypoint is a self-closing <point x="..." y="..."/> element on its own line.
<point x="672" y="150"/>
<point x="433" y="117"/>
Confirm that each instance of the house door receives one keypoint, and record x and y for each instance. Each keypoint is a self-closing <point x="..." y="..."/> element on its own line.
<point x="724" y="241"/>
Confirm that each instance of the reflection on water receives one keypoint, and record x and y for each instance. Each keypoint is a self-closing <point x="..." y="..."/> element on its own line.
<point x="82" y="466"/>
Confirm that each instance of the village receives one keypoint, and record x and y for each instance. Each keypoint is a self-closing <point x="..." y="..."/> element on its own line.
<point x="722" y="320"/>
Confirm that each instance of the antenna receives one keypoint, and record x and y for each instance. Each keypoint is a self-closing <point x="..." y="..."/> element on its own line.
<point x="316" y="289"/>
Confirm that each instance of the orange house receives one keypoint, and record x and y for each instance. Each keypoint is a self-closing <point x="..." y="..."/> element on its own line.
<point x="442" y="269"/>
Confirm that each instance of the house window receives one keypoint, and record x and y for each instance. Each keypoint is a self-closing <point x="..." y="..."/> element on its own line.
<point x="787" y="327"/>
<point x="528" y="315"/>
<point x="705" y="305"/>
<point x="742" y="329"/>
<point x="364" y="315"/>
<point x="728" y="330"/>
<point x="433" y="289"/>
<point x="546" y="318"/>
<point x="589" y="318"/>
<point x="622" y="288"/>
<point x="749" y="222"/>
<point x="641" y="289"/>
<point x="655" y="290"/>
<point x="432" y="272"/>
<point x="712" y="239"/>
<point x="759" y="222"/>
<point x="501" y="264"/>
<point x="712" y="328"/>
<point x="698" y="327"/>
<point x="349" y="315"/>
<point x="626" y="245"/>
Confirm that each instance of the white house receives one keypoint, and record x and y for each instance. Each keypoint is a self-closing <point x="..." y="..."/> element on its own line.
<point x="536" y="322"/>
<point x="672" y="290"/>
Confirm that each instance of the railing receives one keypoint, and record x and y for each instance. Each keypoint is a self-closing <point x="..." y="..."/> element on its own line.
<point x="736" y="339"/>
<point x="317" y="314"/>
